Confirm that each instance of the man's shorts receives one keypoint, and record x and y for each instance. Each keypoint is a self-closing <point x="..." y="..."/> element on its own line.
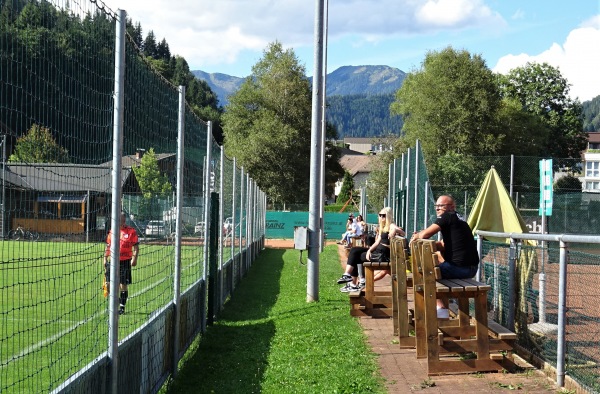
<point x="124" y="272"/>
<point x="451" y="271"/>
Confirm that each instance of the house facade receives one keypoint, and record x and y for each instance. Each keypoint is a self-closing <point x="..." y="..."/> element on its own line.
<point x="591" y="164"/>
<point x="60" y="199"/>
<point x="366" y="145"/>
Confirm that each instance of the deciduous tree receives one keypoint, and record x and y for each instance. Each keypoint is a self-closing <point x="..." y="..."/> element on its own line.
<point x="544" y="93"/>
<point x="450" y="105"/>
<point x="39" y="146"/>
<point x="149" y="177"/>
<point x="267" y="126"/>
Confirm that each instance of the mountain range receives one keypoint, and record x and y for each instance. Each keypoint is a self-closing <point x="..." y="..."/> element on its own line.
<point x="358" y="98"/>
<point x="345" y="81"/>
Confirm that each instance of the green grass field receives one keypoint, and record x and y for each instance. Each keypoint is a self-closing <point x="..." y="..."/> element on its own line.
<point x="53" y="316"/>
<point x="270" y="340"/>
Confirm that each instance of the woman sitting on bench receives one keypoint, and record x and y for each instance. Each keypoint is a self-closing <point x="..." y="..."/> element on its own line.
<point x="378" y="251"/>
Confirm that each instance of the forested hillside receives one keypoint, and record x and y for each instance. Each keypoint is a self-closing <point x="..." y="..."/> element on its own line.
<point x="591" y="115"/>
<point x="363" y="115"/>
<point x="41" y="47"/>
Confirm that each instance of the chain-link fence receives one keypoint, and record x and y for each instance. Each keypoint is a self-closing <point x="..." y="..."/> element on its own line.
<point x="526" y="296"/>
<point x="77" y="99"/>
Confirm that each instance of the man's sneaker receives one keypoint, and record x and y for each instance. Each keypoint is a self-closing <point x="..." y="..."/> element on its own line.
<point x="121" y="310"/>
<point x="344" y="279"/>
<point x="361" y="285"/>
<point x="348" y="288"/>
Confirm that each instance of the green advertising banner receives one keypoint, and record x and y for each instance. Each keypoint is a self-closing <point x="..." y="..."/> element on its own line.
<point x="280" y="225"/>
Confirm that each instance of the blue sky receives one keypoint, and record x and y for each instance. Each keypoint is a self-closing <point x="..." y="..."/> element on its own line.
<point x="229" y="36"/>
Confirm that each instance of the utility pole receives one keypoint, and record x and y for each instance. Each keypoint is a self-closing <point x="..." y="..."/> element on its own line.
<point x="314" y="225"/>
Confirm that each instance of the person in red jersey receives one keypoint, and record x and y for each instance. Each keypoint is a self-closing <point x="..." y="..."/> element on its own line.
<point x="129" y="246"/>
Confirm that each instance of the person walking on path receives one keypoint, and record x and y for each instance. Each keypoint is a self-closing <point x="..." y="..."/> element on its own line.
<point x="129" y="249"/>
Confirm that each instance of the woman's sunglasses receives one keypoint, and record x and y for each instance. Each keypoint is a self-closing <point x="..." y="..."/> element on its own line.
<point x="382" y="215"/>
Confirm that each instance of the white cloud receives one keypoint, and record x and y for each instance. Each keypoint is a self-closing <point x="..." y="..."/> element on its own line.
<point x="577" y="59"/>
<point x="455" y="13"/>
<point x="209" y="32"/>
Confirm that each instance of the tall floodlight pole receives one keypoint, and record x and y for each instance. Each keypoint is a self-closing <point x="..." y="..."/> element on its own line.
<point x="312" y="280"/>
<point x="323" y="132"/>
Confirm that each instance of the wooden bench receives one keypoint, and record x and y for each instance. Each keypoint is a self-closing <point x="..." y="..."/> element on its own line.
<point x="401" y="282"/>
<point x="462" y="334"/>
<point x="371" y="301"/>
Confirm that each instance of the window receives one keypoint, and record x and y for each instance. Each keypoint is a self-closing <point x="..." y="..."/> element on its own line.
<point x="594" y="145"/>
<point x="592" y="169"/>
<point x="593" y="185"/>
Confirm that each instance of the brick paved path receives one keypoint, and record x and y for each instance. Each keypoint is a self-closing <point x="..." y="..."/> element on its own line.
<point x="404" y="373"/>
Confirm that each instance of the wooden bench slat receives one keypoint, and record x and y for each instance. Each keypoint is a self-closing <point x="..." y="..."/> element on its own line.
<point x="500" y="331"/>
<point x="452" y="285"/>
<point x="482" y="286"/>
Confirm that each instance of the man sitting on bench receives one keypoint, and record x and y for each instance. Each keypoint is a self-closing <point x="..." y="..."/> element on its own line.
<point x="457" y="252"/>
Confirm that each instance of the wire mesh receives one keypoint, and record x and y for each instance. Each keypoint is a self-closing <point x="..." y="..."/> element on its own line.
<point x="57" y="79"/>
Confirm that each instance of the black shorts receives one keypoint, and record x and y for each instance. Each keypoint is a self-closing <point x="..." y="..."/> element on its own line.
<point x="124" y="272"/>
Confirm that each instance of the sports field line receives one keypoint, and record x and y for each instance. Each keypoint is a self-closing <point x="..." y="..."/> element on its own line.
<point x="67" y="330"/>
<point x="54" y="337"/>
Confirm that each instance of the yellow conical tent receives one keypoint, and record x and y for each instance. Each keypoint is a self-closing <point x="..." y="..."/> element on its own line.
<point x="494" y="210"/>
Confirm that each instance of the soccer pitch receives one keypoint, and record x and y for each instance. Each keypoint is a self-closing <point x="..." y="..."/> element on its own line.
<point x="53" y="315"/>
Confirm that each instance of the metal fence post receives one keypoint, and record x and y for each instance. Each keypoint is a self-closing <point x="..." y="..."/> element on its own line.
<point x="562" y="303"/>
<point x="512" y="261"/>
<point x="479" y="253"/>
<point x="416" y="186"/>
<point x="178" y="227"/>
<point x="115" y="220"/>
<point x="233" y="224"/>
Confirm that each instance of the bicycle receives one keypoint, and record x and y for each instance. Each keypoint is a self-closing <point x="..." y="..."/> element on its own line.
<point x="21" y="233"/>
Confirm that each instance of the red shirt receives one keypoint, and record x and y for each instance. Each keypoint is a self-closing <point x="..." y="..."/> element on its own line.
<point x="127" y="241"/>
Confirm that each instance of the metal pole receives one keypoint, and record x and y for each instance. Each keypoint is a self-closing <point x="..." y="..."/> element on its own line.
<point x="115" y="219"/>
<point x="3" y="186"/>
<point x="390" y="186"/>
<point x="416" y="185"/>
<point x="479" y="253"/>
<point x="407" y="195"/>
<point x="242" y="207"/>
<point x="221" y="235"/>
<point x="401" y="187"/>
<point x="542" y="276"/>
<point x="394" y="190"/>
<point x="247" y="229"/>
<point x="312" y="285"/>
<point x="87" y="217"/>
<point x="512" y="172"/>
<point x="512" y="262"/>
<point x="178" y="228"/>
<point x="207" y="161"/>
<point x="233" y="223"/>
<point x="426" y="199"/>
<point x="323" y="135"/>
<point x="562" y="305"/>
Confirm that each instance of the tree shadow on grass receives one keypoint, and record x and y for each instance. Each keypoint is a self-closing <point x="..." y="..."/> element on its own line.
<point x="232" y="355"/>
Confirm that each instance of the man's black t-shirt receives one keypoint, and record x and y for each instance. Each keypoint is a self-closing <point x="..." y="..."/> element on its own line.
<point x="460" y="247"/>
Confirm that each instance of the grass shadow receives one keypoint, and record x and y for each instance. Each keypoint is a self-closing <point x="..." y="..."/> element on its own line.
<point x="242" y="333"/>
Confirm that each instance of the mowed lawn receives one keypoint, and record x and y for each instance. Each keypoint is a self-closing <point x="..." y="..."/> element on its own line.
<point x="53" y="315"/>
<point x="268" y="339"/>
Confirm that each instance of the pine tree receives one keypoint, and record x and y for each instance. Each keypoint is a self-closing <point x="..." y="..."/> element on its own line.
<point x="347" y="189"/>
